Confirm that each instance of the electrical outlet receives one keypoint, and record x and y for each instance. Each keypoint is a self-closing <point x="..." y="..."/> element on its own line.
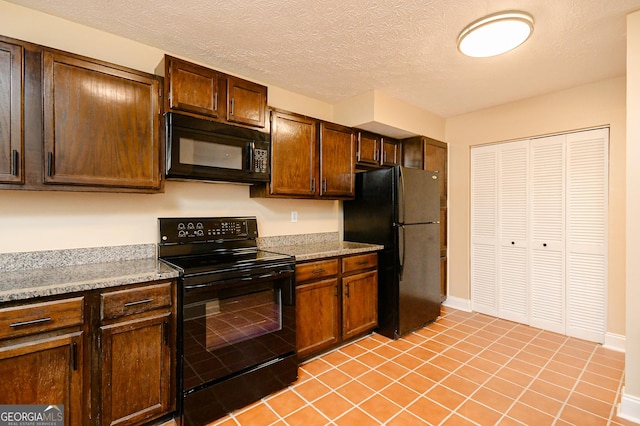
<point x="294" y="216"/>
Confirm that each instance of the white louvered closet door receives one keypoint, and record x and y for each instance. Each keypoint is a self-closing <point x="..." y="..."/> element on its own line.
<point x="547" y="233"/>
<point x="587" y="204"/>
<point x="513" y="182"/>
<point x="484" y="295"/>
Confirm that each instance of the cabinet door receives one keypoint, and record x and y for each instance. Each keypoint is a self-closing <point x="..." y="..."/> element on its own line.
<point x="390" y="152"/>
<point x="11" y="90"/>
<point x="101" y="124"/>
<point x="136" y="370"/>
<point x="46" y="371"/>
<point x="359" y="303"/>
<point x="246" y="102"/>
<point x="293" y="160"/>
<point x="435" y="157"/>
<point x="317" y="316"/>
<point x="367" y="149"/>
<point x="191" y="88"/>
<point x="337" y="165"/>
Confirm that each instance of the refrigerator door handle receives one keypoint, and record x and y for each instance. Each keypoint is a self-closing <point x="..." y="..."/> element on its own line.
<point x="401" y="195"/>
<point x="401" y="248"/>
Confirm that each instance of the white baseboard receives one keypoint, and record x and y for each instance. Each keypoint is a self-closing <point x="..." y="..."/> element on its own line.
<point x="629" y="407"/>
<point x="457" y="303"/>
<point x="614" y="342"/>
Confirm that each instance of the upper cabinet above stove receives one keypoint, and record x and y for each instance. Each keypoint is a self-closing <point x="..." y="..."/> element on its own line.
<point x="206" y="93"/>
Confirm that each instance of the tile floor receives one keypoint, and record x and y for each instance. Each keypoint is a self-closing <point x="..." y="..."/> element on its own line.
<point x="464" y="369"/>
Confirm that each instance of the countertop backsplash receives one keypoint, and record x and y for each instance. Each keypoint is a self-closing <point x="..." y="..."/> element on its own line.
<point x="298" y="239"/>
<point x="71" y="257"/>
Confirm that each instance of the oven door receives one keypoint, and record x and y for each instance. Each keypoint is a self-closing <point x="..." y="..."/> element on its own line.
<point x="233" y="326"/>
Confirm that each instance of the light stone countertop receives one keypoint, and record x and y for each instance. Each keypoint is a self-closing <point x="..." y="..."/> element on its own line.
<point x="32" y="283"/>
<point x="29" y="275"/>
<point x="316" y="251"/>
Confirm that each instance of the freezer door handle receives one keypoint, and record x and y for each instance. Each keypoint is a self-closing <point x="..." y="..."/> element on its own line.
<point x="401" y="247"/>
<point x="401" y="194"/>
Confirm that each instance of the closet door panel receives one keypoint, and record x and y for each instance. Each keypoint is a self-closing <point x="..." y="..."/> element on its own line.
<point x="587" y="186"/>
<point x="547" y="233"/>
<point x="513" y="181"/>
<point x="484" y="215"/>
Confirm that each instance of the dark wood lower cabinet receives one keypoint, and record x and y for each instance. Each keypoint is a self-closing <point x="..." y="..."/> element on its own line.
<point x="106" y="356"/>
<point x="44" y="370"/>
<point x="136" y="370"/>
<point x="336" y="300"/>
<point x="317" y="316"/>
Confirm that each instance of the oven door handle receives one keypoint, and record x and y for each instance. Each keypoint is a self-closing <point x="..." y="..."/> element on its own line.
<point x="244" y="279"/>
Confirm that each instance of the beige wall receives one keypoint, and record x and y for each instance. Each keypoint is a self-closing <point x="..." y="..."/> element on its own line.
<point x="631" y="398"/>
<point x="32" y="221"/>
<point x="582" y="107"/>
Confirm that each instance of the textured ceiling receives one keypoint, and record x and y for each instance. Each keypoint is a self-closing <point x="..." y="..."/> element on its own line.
<point x="335" y="49"/>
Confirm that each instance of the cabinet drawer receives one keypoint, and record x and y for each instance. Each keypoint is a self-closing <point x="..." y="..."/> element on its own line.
<point x="40" y="317"/>
<point x="121" y="303"/>
<point x="315" y="270"/>
<point x="356" y="263"/>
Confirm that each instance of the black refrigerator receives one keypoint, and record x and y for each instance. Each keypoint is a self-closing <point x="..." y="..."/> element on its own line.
<point x="399" y="208"/>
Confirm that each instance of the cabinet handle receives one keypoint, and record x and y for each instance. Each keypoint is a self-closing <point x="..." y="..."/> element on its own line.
<point x="138" y="302"/>
<point x="74" y="356"/>
<point x="318" y="271"/>
<point x="358" y="150"/>
<point x="362" y="262"/>
<point x="165" y="332"/>
<point x="32" y="322"/>
<point x="233" y="105"/>
<point x="15" y="157"/>
<point x="50" y="169"/>
<point x="347" y="290"/>
<point x="313" y="185"/>
<point x="215" y="101"/>
<point x="324" y="185"/>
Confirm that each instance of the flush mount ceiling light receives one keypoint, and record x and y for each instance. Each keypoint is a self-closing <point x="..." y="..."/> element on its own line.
<point x="495" y="34"/>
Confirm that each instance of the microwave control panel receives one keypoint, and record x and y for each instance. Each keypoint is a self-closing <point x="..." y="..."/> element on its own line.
<point x="260" y="161"/>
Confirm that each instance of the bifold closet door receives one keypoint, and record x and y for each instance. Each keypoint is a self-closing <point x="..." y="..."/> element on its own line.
<point x="587" y="206"/>
<point x="484" y="230"/>
<point x="513" y="183"/>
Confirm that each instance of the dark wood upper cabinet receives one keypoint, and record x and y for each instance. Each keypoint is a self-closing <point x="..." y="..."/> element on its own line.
<point x="389" y="151"/>
<point x="101" y="124"/>
<point x="191" y="88"/>
<point x="246" y="102"/>
<point x="206" y="93"/>
<point x="11" y="113"/>
<point x="368" y="149"/>
<point x="337" y="165"/>
<point x="309" y="159"/>
<point x="294" y="158"/>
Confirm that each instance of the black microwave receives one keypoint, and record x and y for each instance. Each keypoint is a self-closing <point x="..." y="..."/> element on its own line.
<point x="204" y="150"/>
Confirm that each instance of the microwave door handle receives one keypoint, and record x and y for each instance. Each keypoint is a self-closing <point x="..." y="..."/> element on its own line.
<point x="251" y="147"/>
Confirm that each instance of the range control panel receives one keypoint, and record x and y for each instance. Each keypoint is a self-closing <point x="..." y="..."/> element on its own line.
<point x="202" y="229"/>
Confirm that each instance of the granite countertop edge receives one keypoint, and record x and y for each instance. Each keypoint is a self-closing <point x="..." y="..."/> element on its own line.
<point x="323" y="250"/>
<point x="41" y="282"/>
<point x="65" y="272"/>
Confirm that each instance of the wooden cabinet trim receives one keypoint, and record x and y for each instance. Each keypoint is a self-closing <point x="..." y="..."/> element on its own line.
<point x="316" y="270"/>
<point x="356" y="263"/>
<point x="121" y="303"/>
<point x="40" y="317"/>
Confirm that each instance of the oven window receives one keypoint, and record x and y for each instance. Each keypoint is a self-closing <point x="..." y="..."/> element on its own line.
<point x="235" y="319"/>
<point x="210" y="154"/>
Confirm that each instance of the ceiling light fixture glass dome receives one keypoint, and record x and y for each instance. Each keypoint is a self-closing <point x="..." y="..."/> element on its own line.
<point x="495" y="34"/>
